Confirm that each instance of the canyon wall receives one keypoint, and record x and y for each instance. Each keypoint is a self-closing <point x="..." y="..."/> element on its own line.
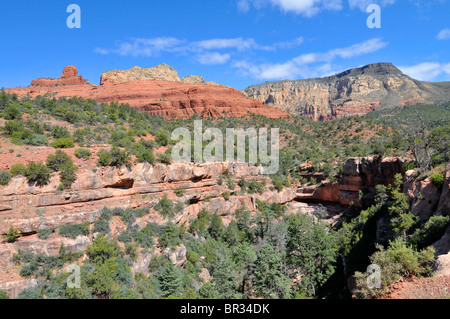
<point x="353" y="92"/>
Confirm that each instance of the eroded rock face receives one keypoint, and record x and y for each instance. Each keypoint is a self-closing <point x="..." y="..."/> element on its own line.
<point x="358" y="174"/>
<point x="68" y="77"/>
<point x="161" y="72"/>
<point x="444" y="201"/>
<point x="29" y="208"/>
<point x="14" y="288"/>
<point x="157" y="90"/>
<point x="353" y="92"/>
<point x="422" y="196"/>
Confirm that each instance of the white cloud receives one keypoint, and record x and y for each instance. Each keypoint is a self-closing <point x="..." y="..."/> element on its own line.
<point x="427" y="71"/>
<point x="308" y="65"/>
<point x="366" y="47"/>
<point x="143" y="47"/>
<point x="363" y="4"/>
<point x="289" y="44"/>
<point x="213" y="58"/>
<point x="307" y="8"/>
<point x="444" y="34"/>
<point x="239" y="44"/>
<point x="206" y="50"/>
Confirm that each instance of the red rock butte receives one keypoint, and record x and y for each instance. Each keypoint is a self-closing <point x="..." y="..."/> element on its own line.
<point x="175" y="99"/>
<point x="68" y="77"/>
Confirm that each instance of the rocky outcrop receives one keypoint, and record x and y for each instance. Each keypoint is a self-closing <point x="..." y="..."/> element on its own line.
<point x="29" y="208"/>
<point x="176" y="255"/>
<point x="196" y="79"/>
<point x="422" y="195"/>
<point x="158" y="91"/>
<point x="37" y="246"/>
<point x="353" y="92"/>
<point x="14" y="288"/>
<point x="161" y="72"/>
<point x="68" y="77"/>
<point x="444" y="201"/>
<point x="359" y="174"/>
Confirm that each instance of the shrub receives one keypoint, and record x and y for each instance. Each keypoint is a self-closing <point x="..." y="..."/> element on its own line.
<point x="104" y="158"/>
<point x="115" y="157"/>
<point x="67" y="174"/>
<point x="57" y="160"/>
<point x="179" y="192"/>
<point x="399" y="260"/>
<point x="118" y="157"/>
<point x="12" y="235"/>
<point x="5" y="177"/>
<point x="277" y="182"/>
<point x="12" y="112"/>
<point x="101" y="226"/>
<point x="36" y="140"/>
<point x="161" y="138"/>
<point x="83" y="153"/>
<point x="3" y="295"/>
<point x="44" y="233"/>
<point x="147" y="156"/>
<point x="38" y="173"/>
<point x="65" y="142"/>
<point x="18" y="169"/>
<point x="431" y="232"/>
<point x="438" y="180"/>
<point x="60" y="132"/>
<point x="170" y="236"/>
<point x="165" y="207"/>
<point x="12" y="127"/>
<point x="73" y="231"/>
<point x="165" y="158"/>
<point x="145" y="237"/>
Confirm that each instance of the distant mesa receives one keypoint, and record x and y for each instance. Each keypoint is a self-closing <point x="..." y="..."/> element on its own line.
<point x="352" y="92"/>
<point x="161" y="72"/>
<point x="158" y="91"/>
<point x="68" y="77"/>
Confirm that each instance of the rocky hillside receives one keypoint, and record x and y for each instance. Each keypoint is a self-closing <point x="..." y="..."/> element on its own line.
<point x="158" y="91"/>
<point x="30" y="209"/>
<point x="353" y="92"/>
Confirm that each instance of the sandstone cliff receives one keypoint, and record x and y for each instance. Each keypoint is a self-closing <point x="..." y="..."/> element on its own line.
<point x="69" y="77"/>
<point x="157" y="90"/>
<point x="353" y="92"/>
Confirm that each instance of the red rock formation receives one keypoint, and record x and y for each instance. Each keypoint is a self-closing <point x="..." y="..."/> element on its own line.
<point x="68" y="77"/>
<point x="166" y="98"/>
<point x="358" y="174"/>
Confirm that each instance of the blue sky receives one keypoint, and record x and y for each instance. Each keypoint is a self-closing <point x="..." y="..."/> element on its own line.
<point x="233" y="42"/>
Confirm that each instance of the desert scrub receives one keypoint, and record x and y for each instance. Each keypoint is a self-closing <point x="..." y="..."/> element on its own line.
<point x="73" y="231"/>
<point x="438" y="180"/>
<point x="5" y="177"/>
<point x="179" y="192"/>
<point x="18" y="169"/>
<point x="83" y="153"/>
<point x="65" y="142"/>
<point x="38" y="173"/>
<point x="12" y="235"/>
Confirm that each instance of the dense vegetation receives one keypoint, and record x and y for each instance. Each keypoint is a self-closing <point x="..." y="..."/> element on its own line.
<point x="261" y="255"/>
